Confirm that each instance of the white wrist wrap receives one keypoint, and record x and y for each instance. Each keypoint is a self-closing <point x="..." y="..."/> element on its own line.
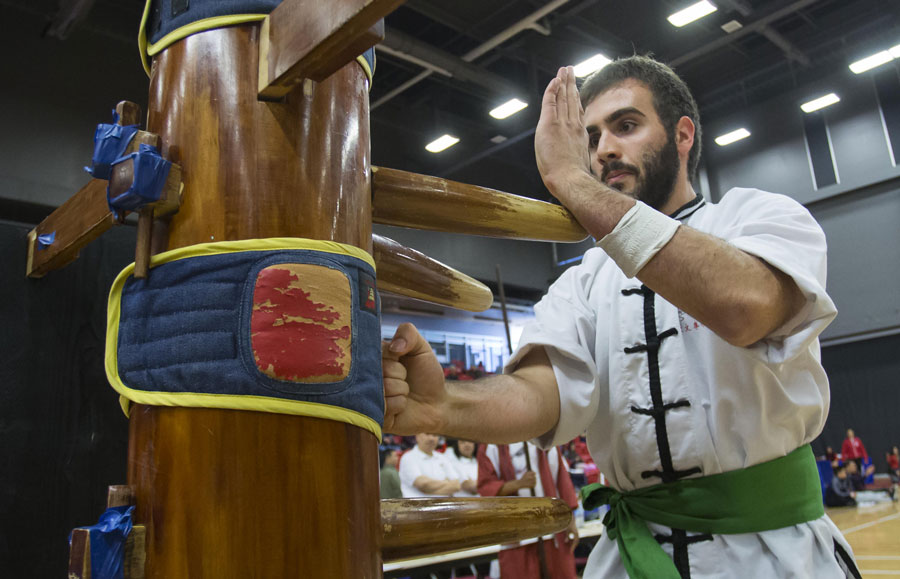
<point x="638" y="236"/>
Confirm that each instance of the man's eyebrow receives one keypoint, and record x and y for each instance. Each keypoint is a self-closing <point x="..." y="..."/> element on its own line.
<point x="616" y="115"/>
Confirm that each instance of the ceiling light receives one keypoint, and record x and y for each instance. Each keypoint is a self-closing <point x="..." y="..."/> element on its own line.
<point x="590" y="65"/>
<point x="497" y="139"/>
<point x="441" y="143"/>
<point x="733" y="136"/>
<point x="508" y="108"/>
<point x="871" y="62"/>
<point x="895" y="51"/>
<point x="820" y="103"/>
<point x="691" y="13"/>
<point x="732" y="26"/>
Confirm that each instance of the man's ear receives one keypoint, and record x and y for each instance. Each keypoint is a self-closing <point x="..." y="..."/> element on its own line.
<point x="684" y="135"/>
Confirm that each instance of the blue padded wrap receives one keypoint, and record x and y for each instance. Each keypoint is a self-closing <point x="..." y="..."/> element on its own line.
<point x="110" y="142"/>
<point x="169" y="15"/>
<point x="186" y="329"/>
<point x="150" y="173"/>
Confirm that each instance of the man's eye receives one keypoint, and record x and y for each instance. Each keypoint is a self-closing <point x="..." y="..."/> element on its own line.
<point x="627" y="126"/>
<point x="593" y="139"/>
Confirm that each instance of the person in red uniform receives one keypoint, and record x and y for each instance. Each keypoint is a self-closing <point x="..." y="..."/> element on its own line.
<point x="893" y="460"/>
<point x="502" y="472"/>
<point x="853" y="449"/>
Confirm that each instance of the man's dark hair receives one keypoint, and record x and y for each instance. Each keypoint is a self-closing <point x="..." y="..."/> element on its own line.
<point x="671" y="96"/>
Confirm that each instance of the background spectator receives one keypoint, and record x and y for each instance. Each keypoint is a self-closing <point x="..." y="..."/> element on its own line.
<point x="390" y="478"/>
<point x="840" y="493"/>
<point x="462" y="458"/>
<point x="893" y="460"/>
<point x="424" y="472"/>
<point x="853" y="449"/>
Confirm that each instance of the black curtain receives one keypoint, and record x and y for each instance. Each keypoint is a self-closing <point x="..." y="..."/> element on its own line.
<point x="865" y="396"/>
<point x="63" y="437"/>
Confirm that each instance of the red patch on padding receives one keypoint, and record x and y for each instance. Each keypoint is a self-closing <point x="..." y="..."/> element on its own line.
<point x="300" y="326"/>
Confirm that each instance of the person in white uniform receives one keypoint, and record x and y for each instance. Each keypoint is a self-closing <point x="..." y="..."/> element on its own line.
<point x="424" y="472"/>
<point x="685" y="344"/>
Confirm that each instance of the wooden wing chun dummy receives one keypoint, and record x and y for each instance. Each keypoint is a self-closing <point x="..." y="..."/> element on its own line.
<point x="251" y="352"/>
<point x="246" y="351"/>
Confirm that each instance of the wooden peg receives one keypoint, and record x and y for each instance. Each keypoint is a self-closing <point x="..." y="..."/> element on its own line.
<point x="129" y="113"/>
<point x="86" y="215"/>
<point x="80" y="554"/>
<point x="424" y="202"/>
<point x="416" y="527"/>
<point x="405" y="271"/>
<point x="301" y="39"/>
<point x="119" y="496"/>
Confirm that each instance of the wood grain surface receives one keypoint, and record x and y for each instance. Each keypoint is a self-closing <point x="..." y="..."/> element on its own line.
<point x="414" y="527"/>
<point x="424" y="202"/>
<point x="405" y="271"/>
<point x="231" y="493"/>
<point x="298" y="168"/>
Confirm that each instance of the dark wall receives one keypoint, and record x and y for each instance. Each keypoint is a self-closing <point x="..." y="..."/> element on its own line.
<point x="859" y="213"/>
<point x="865" y="396"/>
<point x="64" y="437"/>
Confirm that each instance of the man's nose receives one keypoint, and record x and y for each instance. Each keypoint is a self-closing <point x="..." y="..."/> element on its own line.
<point x="608" y="149"/>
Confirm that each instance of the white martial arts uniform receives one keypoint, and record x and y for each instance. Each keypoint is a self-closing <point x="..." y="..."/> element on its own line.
<point x="415" y="463"/>
<point x="464" y="469"/>
<point x="697" y="405"/>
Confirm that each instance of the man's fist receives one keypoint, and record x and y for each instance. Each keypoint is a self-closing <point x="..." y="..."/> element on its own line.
<point x="414" y="394"/>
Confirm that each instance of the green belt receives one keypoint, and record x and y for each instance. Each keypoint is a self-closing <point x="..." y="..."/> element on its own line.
<point x="775" y="494"/>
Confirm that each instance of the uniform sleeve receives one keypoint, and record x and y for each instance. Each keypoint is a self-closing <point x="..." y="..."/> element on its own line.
<point x="565" y="327"/>
<point x="410" y="470"/>
<point x="489" y="482"/>
<point x="780" y="231"/>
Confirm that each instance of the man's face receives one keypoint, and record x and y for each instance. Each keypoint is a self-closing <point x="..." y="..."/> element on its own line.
<point x="849" y="433"/>
<point x="629" y="147"/>
<point x="393" y="459"/>
<point x="427" y="442"/>
<point x="466" y="448"/>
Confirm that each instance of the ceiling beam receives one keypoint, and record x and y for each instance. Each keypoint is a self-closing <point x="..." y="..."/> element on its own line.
<point x="748" y="28"/>
<point x="775" y="37"/>
<point x="406" y="47"/>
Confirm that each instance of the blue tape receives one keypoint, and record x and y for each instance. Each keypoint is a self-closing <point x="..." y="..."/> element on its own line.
<point x="110" y="142"/>
<point x="108" y="542"/>
<point x="150" y="173"/>
<point x="46" y="240"/>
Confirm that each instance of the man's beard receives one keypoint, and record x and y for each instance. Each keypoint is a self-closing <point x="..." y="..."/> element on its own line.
<point x="654" y="184"/>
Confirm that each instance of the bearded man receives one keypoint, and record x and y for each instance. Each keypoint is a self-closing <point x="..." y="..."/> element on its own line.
<point x="685" y="344"/>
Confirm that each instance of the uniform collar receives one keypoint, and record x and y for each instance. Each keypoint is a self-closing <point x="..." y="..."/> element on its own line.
<point x="688" y="208"/>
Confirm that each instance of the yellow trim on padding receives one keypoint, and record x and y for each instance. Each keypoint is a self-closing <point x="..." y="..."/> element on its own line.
<point x="237" y="402"/>
<point x="148" y="50"/>
<point x="267" y="244"/>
